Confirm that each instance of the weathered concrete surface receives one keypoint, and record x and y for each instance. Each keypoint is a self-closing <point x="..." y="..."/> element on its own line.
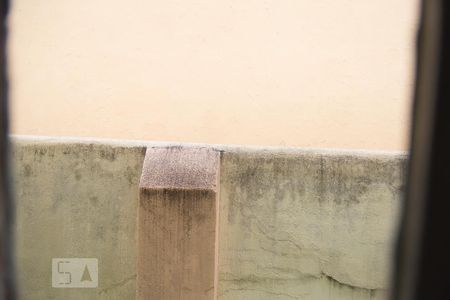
<point x="76" y="199"/>
<point x="307" y="225"/>
<point x="293" y="224"/>
<point x="177" y="224"/>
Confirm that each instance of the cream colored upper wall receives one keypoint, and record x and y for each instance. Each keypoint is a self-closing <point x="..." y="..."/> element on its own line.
<point x="292" y="72"/>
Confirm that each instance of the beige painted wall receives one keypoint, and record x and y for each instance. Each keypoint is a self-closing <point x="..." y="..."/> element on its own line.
<point x="293" y="72"/>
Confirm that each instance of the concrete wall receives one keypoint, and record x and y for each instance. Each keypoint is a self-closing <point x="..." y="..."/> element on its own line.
<point x="307" y="225"/>
<point x="294" y="224"/>
<point x="76" y="199"/>
<point x="301" y="73"/>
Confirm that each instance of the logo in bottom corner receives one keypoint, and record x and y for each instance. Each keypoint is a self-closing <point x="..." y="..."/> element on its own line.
<point x="74" y="272"/>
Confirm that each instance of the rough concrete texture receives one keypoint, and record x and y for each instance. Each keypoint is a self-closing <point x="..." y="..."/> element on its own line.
<point x="293" y="224"/>
<point x="177" y="222"/>
<point x="176" y="167"/>
<point x="76" y="199"/>
<point x="307" y="225"/>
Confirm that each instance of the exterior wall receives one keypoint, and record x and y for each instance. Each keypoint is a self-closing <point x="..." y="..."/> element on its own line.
<point x="300" y="73"/>
<point x="76" y="199"/>
<point x="294" y="224"/>
<point x="307" y="225"/>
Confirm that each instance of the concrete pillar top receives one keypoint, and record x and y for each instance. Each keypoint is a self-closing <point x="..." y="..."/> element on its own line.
<point x="180" y="168"/>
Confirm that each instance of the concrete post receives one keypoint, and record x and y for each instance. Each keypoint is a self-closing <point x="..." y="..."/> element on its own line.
<point x="177" y="224"/>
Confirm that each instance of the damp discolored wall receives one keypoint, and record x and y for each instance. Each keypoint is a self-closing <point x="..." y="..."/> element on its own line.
<point x="76" y="200"/>
<point x="293" y="223"/>
<point x="307" y="224"/>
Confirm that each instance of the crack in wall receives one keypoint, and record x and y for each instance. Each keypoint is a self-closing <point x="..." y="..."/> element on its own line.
<point x="334" y="280"/>
<point x="258" y="279"/>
